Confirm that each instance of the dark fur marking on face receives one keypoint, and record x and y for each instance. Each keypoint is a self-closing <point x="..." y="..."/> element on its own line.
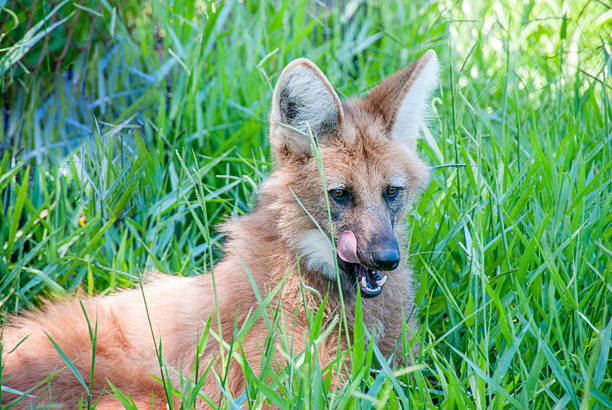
<point x="396" y="204"/>
<point x="337" y="207"/>
<point x="336" y="214"/>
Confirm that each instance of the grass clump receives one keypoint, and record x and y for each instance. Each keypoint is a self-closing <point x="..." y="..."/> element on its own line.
<point x="511" y="242"/>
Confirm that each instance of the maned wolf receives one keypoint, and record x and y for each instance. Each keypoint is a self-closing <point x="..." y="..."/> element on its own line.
<point x="372" y="173"/>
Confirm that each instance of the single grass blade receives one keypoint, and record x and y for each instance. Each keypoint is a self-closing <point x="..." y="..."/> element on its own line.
<point x="69" y="364"/>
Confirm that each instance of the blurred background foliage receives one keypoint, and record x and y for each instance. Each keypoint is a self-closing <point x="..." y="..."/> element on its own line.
<point x="48" y="40"/>
<point x="67" y="30"/>
<point x="511" y="242"/>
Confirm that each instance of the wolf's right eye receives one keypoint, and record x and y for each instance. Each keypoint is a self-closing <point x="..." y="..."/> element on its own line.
<point x="338" y="194"/>
<point x="392" y="191"/>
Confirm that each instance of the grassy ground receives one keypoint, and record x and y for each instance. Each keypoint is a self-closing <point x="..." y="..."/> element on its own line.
<point x="512" y="241"/>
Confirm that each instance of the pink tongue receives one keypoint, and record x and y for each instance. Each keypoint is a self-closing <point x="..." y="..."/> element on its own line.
<point x="347" y="247"/>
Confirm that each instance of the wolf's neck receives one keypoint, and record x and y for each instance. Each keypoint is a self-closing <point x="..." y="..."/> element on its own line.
<point x="255" y="239"/>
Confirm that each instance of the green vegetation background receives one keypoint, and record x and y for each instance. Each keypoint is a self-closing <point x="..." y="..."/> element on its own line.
<point x="511" y="242"/>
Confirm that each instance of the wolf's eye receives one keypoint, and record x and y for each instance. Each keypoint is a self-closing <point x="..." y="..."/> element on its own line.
<point x="392" y="192"/>
<point x="338" y="194"/>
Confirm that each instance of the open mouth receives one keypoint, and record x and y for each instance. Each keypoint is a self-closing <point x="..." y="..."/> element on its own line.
<point x="370" y="281"/>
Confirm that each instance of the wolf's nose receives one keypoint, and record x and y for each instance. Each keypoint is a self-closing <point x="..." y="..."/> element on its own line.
<point x="385" y="259"/>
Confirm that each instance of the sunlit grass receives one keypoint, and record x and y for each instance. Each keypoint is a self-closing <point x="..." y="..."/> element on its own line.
<point x="511" y="243"/>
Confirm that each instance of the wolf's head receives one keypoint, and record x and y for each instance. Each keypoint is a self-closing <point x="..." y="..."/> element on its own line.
<point x="371" y="167"/>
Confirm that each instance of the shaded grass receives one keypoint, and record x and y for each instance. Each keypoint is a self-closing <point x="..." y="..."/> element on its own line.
<point x="511" y="241"/>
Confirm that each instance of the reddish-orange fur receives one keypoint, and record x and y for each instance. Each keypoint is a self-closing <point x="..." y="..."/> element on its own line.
<point x="359" y="151"/>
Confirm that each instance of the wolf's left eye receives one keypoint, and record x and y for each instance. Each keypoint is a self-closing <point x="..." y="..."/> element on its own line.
<point x="392" y="192"/>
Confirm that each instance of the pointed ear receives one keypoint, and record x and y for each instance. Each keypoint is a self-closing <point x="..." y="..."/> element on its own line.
<point x="303" y="98"/>
<point x="401" y="99"/>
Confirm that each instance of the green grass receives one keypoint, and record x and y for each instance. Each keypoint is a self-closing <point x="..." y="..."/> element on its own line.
<point x="511" y="243"/>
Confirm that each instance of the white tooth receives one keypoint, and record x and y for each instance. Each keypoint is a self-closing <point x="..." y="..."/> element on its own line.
<point x="364" y="282"/>
<point x="382" y="281"/>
